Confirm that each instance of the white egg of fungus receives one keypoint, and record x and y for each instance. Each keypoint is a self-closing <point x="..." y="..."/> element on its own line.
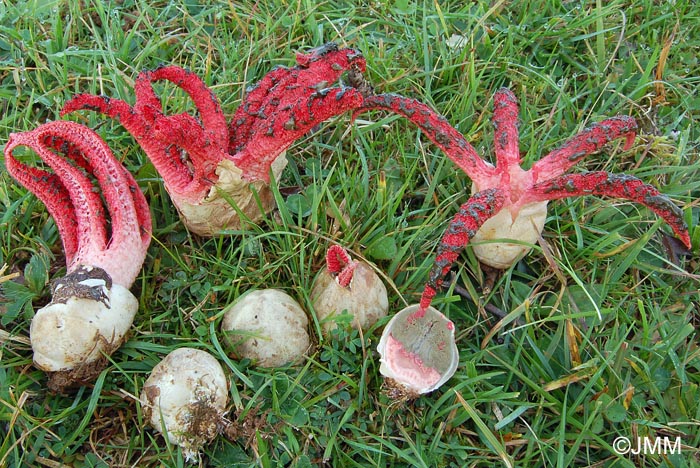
<point x="75" y="333"/>
<point x="185" y="398"/>
<point x="526" y="228"/>
<point x="87" y="319"/>
<point x="268" y="327"/>
<point x="365" y="298"/>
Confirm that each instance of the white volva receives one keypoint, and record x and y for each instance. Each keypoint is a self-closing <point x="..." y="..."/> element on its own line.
<point x="268" y="327"/>
<point x="215" y="213"/>
<point x="186" y="396"/>
<point x="65" y="336"/>
<point x="526" y="228"/>
<point x="365" y="298"/>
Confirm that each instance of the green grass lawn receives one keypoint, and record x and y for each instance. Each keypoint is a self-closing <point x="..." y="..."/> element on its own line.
<point x="600" y="335"/>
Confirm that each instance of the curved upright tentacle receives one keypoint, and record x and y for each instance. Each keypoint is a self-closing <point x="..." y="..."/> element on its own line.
<point x="165" y="137"/>
<point x="85" y="204"/>
<point x="205" y="141"/>
<point x="49" y="189"/>
<point x="505" y="123"/>
<point x="178" y="178"/>
<point x="213" y="121"/>
<point x="76" y="206"/>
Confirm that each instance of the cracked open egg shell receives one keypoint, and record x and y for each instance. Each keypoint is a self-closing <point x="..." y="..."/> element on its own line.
<point x="417" y="352"/>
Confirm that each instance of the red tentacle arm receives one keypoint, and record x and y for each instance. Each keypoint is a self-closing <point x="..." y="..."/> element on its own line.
<point x="283" y="128"/>
<point x="192" y="147"/>
<point x="588" y="141"/>
<point x="212" y="117"/>
<point x="438" y="130"/>
<point x="505" y="122"/>
<point x="287" y="103"/>
<point x="314" y="71"/>
<point x="471" y="216"/>
<point x="621" y="186"/>
<point x="50" y="190"/>
<point x="205" y="141"/>
<point x="114" y="108"/>
<point x="166" y="157"/>
<point x="77" y="208"/>
<point x="171" y="140"/>
<point x="336" y="258"/>
<point x="340" y="265"/>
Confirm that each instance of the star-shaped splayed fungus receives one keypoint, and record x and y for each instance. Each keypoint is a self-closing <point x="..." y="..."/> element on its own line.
<point x="417" y="347"/>
<point x="510" y="202"/>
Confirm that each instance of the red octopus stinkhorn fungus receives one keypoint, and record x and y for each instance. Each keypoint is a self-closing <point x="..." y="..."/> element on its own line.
<point x="348" y="285"/>
<point x="508" y="202"/>
<point x="204" y="162"/>
<point x="91" y="308"/>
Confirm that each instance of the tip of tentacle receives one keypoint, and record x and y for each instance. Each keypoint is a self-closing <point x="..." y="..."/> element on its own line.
<point x="629" y="140"/>
<point x="344" y="278"/>
<point x="426" y="298"/>
<point x="339" y="264"/>
<point x="504" y="93"/>
<point x="10" y="141"/>
<point x="84" y="101"/>
<point x="336" y="258"/>
<point x="304" y="59"/>
<point x="685" y="238"/>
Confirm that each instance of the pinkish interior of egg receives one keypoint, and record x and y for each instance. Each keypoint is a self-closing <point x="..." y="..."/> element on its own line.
<point x="408" y="367"/>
